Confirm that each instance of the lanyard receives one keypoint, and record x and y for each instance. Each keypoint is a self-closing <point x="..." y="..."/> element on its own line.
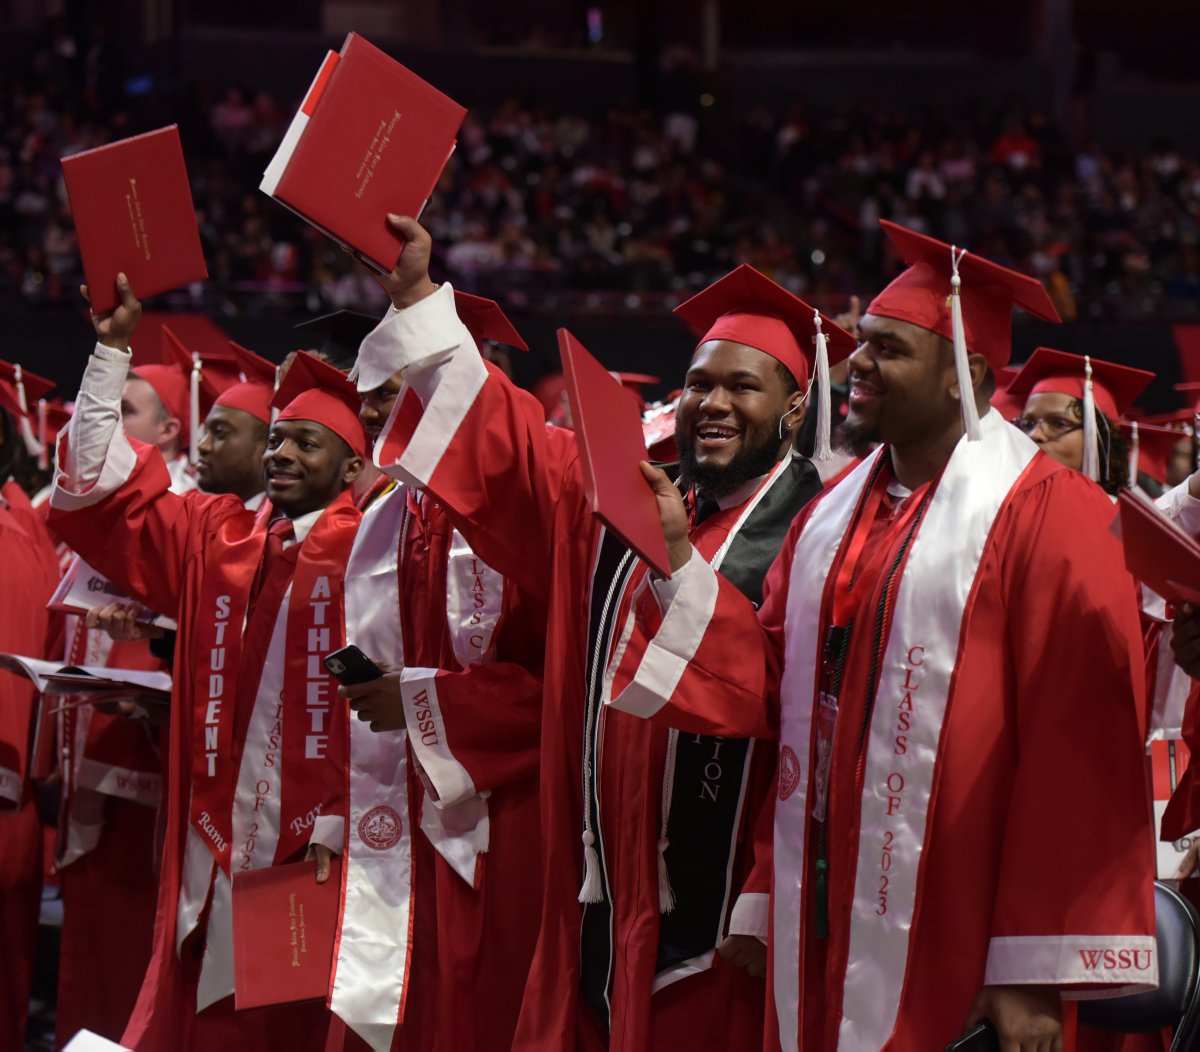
<point x="846" y="600"/>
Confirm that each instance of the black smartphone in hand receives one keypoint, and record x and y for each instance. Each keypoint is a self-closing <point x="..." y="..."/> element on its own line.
<point x="350" y="666"/>
<point x="982" y="1037"/>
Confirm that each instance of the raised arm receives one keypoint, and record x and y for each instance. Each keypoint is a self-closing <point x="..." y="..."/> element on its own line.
<point x="461" y="431"/>
<point x="111" y="500"/>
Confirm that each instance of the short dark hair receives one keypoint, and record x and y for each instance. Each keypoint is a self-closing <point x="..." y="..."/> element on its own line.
<point x="790" y="384"/>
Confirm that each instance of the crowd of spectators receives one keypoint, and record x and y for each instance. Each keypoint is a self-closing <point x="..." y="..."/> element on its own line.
<point x="536" y="200"/>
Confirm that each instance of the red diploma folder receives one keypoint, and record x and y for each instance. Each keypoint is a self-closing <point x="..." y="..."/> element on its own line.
<point x="284" y="928"/>
<point x="1157" y="552"/>
<point x="133" y="212"/>
<point x="609" y="430"/>
<point x="370" y="138"/>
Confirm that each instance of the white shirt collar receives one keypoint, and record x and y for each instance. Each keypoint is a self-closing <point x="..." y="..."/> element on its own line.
<point x="301" y="526"/>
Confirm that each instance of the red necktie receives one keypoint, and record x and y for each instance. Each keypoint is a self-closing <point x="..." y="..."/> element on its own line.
<point x="277" y="533"/>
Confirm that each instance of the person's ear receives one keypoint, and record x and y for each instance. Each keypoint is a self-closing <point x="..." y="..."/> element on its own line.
<point x="171" y="429"/>
<point x="352" y="467"/>
<point x="794" y="413"/>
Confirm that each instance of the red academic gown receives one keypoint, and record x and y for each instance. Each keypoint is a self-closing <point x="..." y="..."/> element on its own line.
<point x="157" y="546"/>
<point x="107" y="847"/>
<point x="986" y="819"/>
<point x="491" y="716"/>
<point x="29" y="575"/>
<point x="471" y="647"/>
<point x="514" y="487"/>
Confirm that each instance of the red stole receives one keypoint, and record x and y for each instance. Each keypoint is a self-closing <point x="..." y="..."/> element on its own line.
<point x="227" y="667"/>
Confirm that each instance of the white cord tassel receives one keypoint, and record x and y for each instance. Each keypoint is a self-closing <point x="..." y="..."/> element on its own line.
<point x="823" y="445"/>
<point x="666" y="895"/>
<point x="44" y="452"/>
<point x="590" y="892"/>
<point x="32" y="446"/>
<point x="1091" y="442"/>
<point x="962" y="367"/>
<point x="194" y="413"/>
<point x="1134" y="444"/>
<point x="275" y="409"/>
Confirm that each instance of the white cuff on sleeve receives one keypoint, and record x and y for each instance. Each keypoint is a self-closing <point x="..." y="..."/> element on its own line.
<point x="666" y="588"/>
<point x="329" y="831"/>
<point x="412" y="339"/>
<point x="751" y="915"/>
<point x="1181" y="508"/>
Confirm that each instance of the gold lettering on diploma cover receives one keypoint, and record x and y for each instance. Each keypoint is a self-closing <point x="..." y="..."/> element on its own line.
<point x="370" y="161"/>
<point x="137" y="219"/>
<point x="294" y="922"/>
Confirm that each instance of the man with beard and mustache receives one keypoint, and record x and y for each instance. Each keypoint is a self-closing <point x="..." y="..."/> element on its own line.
<point x="658" y="827"/>
<point x="949" y="653"/>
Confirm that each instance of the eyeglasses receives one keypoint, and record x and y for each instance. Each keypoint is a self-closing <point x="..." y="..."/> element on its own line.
<point x="1053" y="425"/>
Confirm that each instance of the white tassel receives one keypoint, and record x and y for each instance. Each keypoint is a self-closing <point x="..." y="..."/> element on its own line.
<point x="194" y="413"/>
<point x="823" y="446"/>
<point x="32" y="446"/>
<point x="1134" y="444"/>
<point x="1091" y="442"/>
<point x="666" y="897"/>
<point x="590" y="892"/>
<point x="275" y="409"/>
<point x="962" y="367"/>
<point x="43" y="452"/>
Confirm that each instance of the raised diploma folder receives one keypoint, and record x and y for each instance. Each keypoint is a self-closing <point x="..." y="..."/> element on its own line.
<point x="608" y="428"/>
<point x="284" y="929"/>
<point x="1157" y="552"/>
<point x="133" y="212"/>
<point x="371" y="137"/>
<point x="83" y="588"/>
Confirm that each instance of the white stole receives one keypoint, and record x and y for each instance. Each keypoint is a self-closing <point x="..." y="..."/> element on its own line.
<point x="919" y="656"/>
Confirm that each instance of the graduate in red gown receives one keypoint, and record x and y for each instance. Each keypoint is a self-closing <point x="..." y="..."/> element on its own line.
<point x="257" y="743"/>
<point x="949" y="652"/>
<point x="648" y="836"/>
<point x="28" y="576"/>
<point x="442" y="861"/>
<point x="110" y="766"/>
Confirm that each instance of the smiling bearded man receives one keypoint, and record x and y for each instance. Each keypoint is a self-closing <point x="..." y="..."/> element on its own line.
<point x="659" y="828"/>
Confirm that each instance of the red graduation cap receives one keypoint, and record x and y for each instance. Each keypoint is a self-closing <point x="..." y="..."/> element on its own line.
<point x="1114" y="387"/>
<point x="313" y="390"/>
<point x="250" y="397"/>
<point x="1191" y="392"/>
<point x="20" y="389"/>
<point x="1151" y="448"/>
<point x="214" y="375"/>
<point x="170" y="383"/>
<point x="922" y="294"/>
<point x="254" y="368"/>
<point x="747" y="307"/>
<point x="485" y="320"/>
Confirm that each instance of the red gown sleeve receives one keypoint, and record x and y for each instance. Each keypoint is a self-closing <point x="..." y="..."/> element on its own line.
<point x="481" y="447"/>
<point x="474" y="730"/>
<point x="711" y="664"/>
<point x="139" y="535"/>
<point x="1074" y="903"/>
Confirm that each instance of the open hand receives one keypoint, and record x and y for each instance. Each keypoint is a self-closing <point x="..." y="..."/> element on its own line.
<point x="1027" y="1018"/>
<point x="115" y="328"/>
<point x="378" y="702"/>
<point x="409" y="282"/>
<point x="672" y="512"/>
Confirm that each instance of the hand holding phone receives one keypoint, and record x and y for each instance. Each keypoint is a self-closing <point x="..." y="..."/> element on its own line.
<point x="982" y="1037"/>
<point x="350" y="666"/>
